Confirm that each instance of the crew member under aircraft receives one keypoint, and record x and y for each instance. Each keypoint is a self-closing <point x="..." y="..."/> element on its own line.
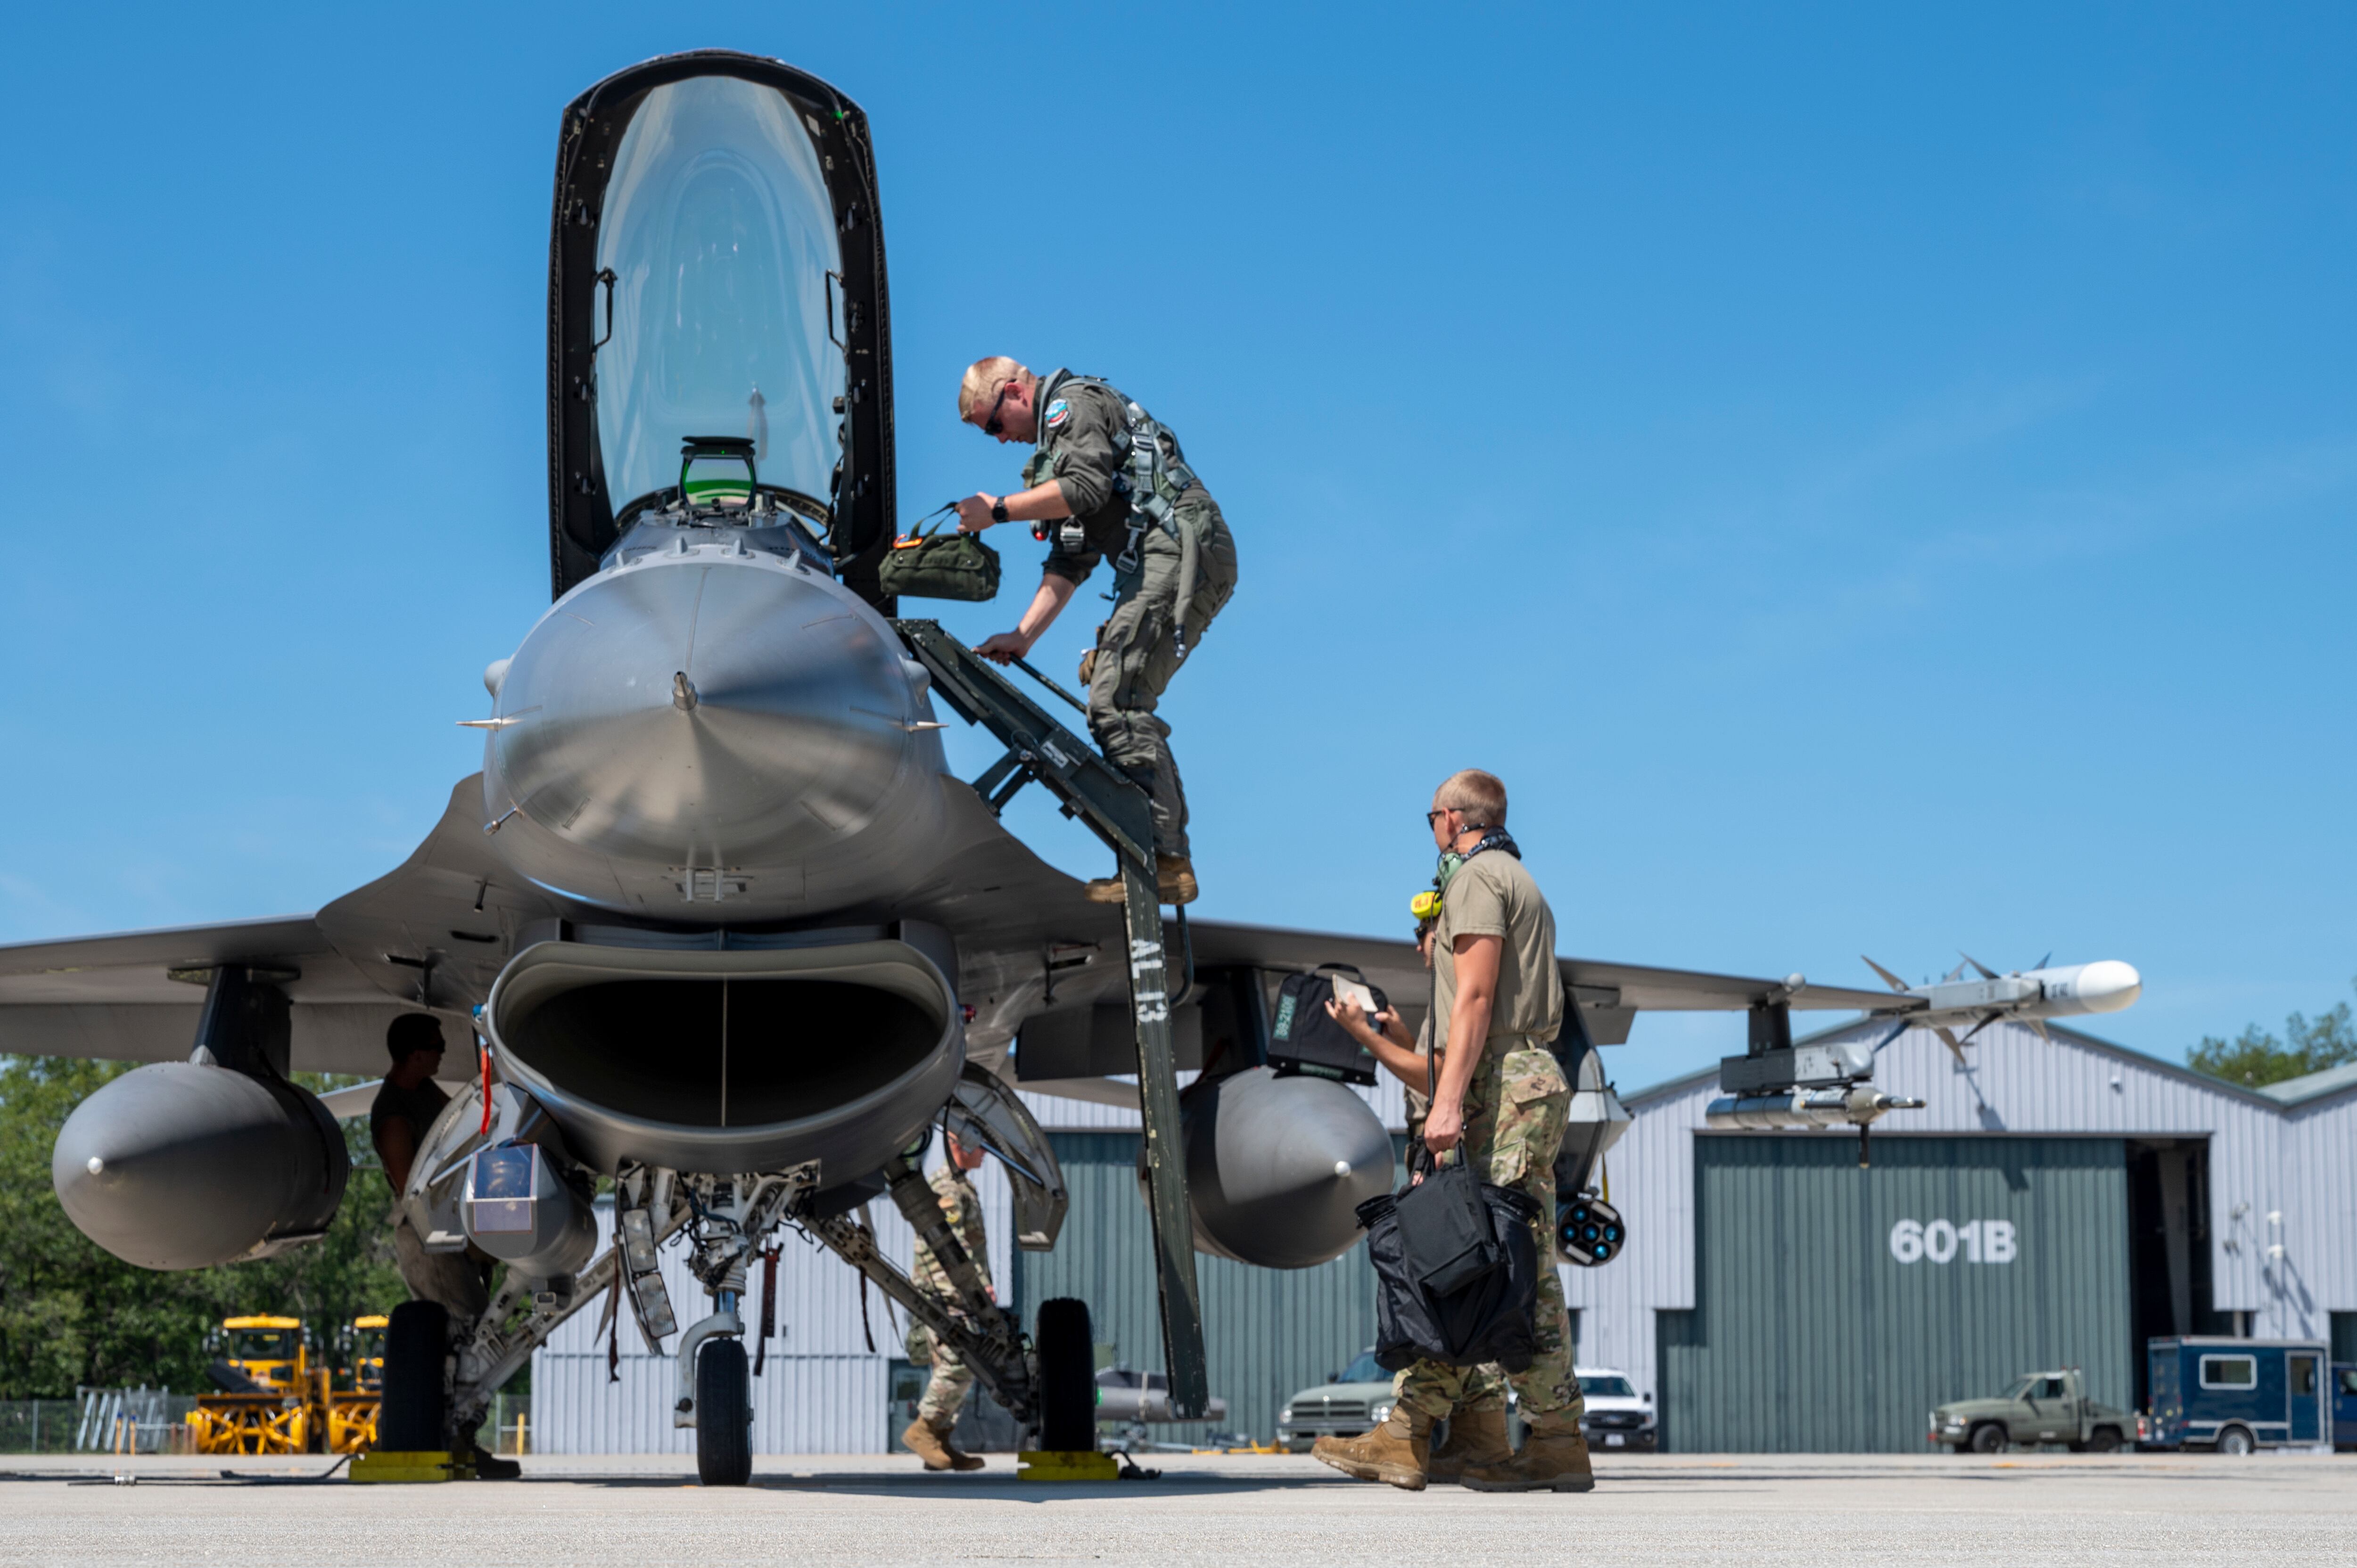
<point x="928" y="1436"/>
<point x="405" y="1107"/>
<point x="1108" y="482"/>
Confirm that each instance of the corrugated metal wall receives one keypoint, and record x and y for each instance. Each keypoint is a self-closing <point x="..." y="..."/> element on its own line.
<point x="2298" y="1163"/>
<point x="1267" y="1332"/>
<point x="821" y="1391"/>
<point x="1813" y="1334"/>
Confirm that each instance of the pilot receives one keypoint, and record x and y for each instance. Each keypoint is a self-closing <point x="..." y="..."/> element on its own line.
<point x="1108" y="482"/>
<point x="1502" y="1098"/>
<point x="928" y="1436"/>
<point x="1477" y="1423"/>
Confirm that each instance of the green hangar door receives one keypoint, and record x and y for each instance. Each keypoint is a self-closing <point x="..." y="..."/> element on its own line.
<point x="1835" y="1306"/>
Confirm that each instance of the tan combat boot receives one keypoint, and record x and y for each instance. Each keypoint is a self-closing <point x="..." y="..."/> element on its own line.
<point x="930" y="1443"/>
<point x="1394" y="1452"/>
<point x="1174" y="877"/>
<point x="1553" y="1458"/>
<point x="959" y="1459"/>
<point x="1475" y="1437"/>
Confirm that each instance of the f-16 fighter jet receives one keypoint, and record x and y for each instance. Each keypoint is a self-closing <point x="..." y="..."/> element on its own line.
<point x="728" y="930"/>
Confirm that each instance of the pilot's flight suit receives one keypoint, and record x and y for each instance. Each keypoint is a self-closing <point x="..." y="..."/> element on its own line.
<point x="945" y="1393"/>
<point x="1083" y="446"/>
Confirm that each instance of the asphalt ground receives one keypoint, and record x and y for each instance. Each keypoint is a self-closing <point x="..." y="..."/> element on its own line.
<point x="2051" y="1509"/>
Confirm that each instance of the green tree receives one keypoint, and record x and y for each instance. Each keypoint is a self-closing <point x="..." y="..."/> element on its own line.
<point x="72" y="1312"/>
<point x="2255" y="1056"/>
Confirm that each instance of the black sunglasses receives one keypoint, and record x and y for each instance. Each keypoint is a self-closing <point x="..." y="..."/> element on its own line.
<point x="993" y="427"/>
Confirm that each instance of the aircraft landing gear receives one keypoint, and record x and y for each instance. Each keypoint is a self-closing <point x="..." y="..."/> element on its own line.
<point x="731" y="1217"/>
<point x="1067" y="1377"/>
<point x="724" y="1415"/>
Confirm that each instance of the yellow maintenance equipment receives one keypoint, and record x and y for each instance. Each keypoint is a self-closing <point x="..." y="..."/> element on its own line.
<point x="353" y="1390"/>
<point x="264" y="1404"/>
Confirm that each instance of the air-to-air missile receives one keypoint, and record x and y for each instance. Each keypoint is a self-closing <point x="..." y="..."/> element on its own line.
<point x="1828" y="1083"/>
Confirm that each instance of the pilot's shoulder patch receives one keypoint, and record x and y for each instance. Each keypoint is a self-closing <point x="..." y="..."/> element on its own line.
<point x="1057" y="412"/>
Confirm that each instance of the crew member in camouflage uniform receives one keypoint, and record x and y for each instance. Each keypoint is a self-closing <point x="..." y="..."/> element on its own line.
<point x="928" y="1435"/>
<point x="1494" y="981"/>
<point x="1109" y="483"/>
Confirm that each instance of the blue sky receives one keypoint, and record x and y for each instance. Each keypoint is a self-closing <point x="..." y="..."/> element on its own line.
<point x="1870" y="482"/>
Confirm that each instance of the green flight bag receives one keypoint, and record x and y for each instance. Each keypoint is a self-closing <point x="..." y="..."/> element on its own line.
<point x="938" y="565"/>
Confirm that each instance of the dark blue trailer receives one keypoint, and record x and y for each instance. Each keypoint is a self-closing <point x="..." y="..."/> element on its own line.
<point x="2344" y="1406"/>
<point x="2238" y="1395"/>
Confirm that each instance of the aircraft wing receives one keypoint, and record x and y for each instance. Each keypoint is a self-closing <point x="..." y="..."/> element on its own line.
<point x="433" y="932"/>
<point x="135" y="997"/>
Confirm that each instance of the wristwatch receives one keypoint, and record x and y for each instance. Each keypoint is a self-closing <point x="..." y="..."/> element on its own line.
<point x="998" y="510"/>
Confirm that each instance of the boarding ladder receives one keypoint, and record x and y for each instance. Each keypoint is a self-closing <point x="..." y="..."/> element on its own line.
<point x="1113" y="808"/>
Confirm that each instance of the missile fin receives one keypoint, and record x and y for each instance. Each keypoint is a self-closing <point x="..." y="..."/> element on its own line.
<point x="1896" y="1030"/>
<point x="1986" y="1019"/>
<point x="1889" y="979"/>
<point x="1986" y="972"/>
<point x="2039" y="1025"/>
<point x="1948" y="1039"/>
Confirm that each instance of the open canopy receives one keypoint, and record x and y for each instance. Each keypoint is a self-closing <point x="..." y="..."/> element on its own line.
<point x="716" y="270"/>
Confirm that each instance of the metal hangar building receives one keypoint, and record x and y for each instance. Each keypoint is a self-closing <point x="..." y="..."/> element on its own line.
<point x="2057" y="1203"/>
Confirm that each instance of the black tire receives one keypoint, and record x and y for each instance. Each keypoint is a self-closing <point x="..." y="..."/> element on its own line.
<point x="1988" y="1437"/>
<point x="1068" y="1394"/>
<point x="2103" y="1440"/>
<point x="724" y="1415"/>
<point x="2237" y="1441"/>
<point x="417" y="1344"/>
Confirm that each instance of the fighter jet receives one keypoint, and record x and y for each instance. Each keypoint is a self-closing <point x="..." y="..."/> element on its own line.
<point x="726" y="927"/>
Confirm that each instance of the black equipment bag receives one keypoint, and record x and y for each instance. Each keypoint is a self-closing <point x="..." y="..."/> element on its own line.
<point x="1491" y="1313"/>
<point x="1304" y="1039"/>
<point x="1446" y="1238"/>
<point x="936" y="565"/>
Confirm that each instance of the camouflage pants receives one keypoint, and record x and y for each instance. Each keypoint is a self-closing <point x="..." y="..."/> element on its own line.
<point x="1482" y="1387"/>
<point x="1514" y="1111"/>
<point x="945" y="1394"/>
<point x="1136" y="655"/>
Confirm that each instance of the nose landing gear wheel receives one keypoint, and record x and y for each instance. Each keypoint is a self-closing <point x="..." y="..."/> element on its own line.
<point x="724" y="1415"/>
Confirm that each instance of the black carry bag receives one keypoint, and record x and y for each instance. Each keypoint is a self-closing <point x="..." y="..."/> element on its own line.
<point x="1475" y="1238"/>
<point x="1304" y="1039"/>
<point x="930" y="564"/>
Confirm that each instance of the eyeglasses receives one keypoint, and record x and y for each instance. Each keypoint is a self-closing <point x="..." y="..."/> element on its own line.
<point x="993" y="427"/>
<point x="1436" y="814"/>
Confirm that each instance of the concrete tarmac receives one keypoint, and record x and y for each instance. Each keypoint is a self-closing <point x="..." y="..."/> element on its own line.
<point x="2054" y="1510"/>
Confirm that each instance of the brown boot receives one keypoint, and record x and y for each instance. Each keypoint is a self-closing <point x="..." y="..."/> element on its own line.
<point x="929" y="1442"/>
<point x="1553" y="1459"/>
<point x="959" y="1459"/>
<point x="1475" y="1437"/>
<point x="1394" y="1452"/>
<point x="1174" y="877"/>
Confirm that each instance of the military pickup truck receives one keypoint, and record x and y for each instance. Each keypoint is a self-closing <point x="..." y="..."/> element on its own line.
<point x="2041" y="1407"/>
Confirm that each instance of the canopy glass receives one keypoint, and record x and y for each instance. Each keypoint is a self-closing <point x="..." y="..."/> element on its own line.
<point x="719" y="236"/>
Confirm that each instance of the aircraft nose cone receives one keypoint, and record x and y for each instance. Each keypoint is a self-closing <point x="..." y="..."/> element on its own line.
<point x="2109" y="987"/>
<point x="706" y="707"/>
<point x="1277" y="1167"/>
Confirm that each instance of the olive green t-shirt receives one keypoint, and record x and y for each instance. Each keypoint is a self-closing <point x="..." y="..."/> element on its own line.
<point x="1493" y="896"/>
